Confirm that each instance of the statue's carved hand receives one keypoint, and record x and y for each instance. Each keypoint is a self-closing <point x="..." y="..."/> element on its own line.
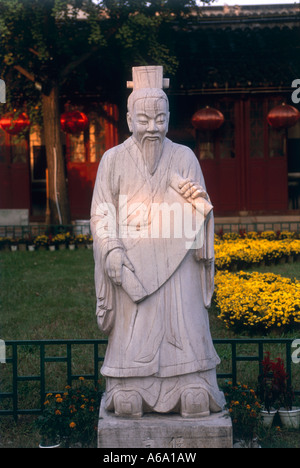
<point x="114" y="263"/>
<point x="193" y="190"/>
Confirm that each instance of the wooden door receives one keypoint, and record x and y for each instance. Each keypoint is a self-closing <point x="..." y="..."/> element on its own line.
<point x="245" y="161"/>
<point x="220" y="159"/>
<point x="265" y="159"/>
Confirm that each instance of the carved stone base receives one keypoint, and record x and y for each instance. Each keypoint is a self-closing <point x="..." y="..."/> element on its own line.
<point x="164" y="431"/>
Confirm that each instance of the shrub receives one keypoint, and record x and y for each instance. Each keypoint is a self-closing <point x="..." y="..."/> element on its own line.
<point x="274" y="387"/>
<point x="71" y="416"/>
<point x="244" y="409"/>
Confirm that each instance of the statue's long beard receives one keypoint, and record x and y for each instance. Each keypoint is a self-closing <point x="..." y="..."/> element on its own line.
<point x="151" y="150"/>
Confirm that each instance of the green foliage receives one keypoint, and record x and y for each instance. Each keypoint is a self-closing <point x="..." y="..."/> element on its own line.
<point x="50" y="42"/>
<point x="140" y="38"/>
<point x="43" y="42"/>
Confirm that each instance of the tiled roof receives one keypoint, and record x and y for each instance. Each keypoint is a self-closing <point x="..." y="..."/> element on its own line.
<point x="247" y="57"/>
<point x="251" y="12"/>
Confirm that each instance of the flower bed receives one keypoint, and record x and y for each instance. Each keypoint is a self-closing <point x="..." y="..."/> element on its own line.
<point x="257" y="301"/>
<point x="41" y="242"/>
<point x="252" y="251"/>
<point x="45" y="242"/>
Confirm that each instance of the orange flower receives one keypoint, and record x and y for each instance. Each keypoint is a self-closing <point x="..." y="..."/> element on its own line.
<point x="72" y="425"/>
<point x="57" y="412"/>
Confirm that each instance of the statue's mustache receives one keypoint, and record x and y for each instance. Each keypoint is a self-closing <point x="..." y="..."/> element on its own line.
<point x="151" y="137"/>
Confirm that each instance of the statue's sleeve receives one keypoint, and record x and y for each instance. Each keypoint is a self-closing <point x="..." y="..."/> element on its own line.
<point x="205" y="256"/>
<point x="104" y="231"/>
<point x="190" y="168"/>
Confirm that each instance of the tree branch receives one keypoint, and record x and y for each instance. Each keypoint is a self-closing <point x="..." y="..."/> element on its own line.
<point x="33" y="51"/>
<point x="68" y="69"/>
<point x="24" y="72"/>
<point x="72" y="65"/>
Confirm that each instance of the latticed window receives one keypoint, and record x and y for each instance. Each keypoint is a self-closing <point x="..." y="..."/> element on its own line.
<point x="219" y="144"/>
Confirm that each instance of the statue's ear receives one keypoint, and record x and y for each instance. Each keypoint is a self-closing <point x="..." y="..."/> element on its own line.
<point x="129" y="121"/>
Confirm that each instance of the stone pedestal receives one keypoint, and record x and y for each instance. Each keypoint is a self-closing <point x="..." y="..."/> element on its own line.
<point x="155" y="430"/>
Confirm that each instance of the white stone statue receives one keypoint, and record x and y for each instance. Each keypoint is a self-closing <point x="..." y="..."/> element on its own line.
<point x="2" y="92"/>
<point x="153" y="230"/>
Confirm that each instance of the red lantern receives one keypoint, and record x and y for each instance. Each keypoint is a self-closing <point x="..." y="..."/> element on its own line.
<point x="283" y="116"/>
<point x="74" y="122"/>
<point x="208" y="119"/>
<point x="12" y="125"/>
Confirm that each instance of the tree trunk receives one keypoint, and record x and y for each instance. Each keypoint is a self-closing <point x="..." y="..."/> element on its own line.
<point x="58" y="191"/>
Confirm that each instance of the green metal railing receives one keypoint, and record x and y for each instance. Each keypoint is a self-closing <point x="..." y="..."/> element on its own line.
<point x="21" y="353"/>
<point x="32" y="230"/>
<point x="292" y="226"/>
<point x="14" y="350"/>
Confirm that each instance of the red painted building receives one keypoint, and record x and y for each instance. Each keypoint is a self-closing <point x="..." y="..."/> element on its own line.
<point x="239" y="60"/>
<point x="23" y="175"/>
<point x="245" y="162"/>
<point x="242" y="61"/>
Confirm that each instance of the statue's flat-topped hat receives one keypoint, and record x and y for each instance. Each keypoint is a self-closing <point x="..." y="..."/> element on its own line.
<point x="148" y="77"/>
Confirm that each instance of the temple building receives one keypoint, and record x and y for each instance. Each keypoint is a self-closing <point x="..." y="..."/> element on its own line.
<point x="234" y="100"/>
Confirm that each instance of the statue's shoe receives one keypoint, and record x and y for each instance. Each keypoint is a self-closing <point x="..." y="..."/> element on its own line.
<point x="128" y="404"/>
<point x="194" y="403"/>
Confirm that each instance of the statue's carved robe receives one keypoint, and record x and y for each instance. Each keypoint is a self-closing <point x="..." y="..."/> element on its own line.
<point x="166" y="334"/>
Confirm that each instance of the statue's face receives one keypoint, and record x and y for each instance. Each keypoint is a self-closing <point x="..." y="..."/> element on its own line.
<point x="150" y="120"/>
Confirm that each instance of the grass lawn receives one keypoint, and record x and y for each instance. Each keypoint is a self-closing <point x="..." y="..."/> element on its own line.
<point x="50" y="295"/>
<point x="47" y="295"/>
